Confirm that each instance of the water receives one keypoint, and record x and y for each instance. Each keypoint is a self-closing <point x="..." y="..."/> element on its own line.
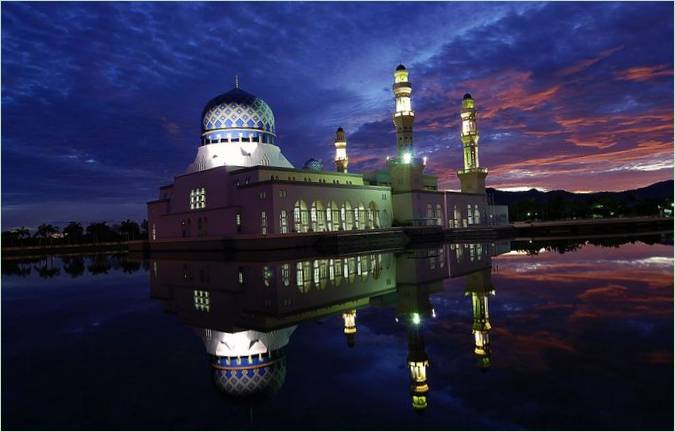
<point x="511" y="335"/>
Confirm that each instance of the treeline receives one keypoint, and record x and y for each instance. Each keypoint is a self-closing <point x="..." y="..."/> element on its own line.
<point x="74" y="266"/>
<point x="531" y="205"/>
<point x="75" y="233"/>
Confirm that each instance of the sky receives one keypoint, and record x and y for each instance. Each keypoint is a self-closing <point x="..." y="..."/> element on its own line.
<point x="101" y="102"/>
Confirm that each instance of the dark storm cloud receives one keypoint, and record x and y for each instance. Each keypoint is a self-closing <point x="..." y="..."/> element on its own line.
<point x="101" y="101"/>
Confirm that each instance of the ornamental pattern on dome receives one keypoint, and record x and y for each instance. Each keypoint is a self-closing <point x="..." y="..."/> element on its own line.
<point x="251" y="381"/>
<point x="237" y="109"/>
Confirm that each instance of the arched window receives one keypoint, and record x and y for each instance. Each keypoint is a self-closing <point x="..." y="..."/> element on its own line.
<point x="430" y="215"/>
<point x="372" y="216"/>
<point x="476" y="214"/>
<point x="439" y="215"/>
<point x="300" y="217"/>
<point x="329" y="218"/>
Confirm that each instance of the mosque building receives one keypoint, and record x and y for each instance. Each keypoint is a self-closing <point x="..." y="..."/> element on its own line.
<point x="241" y="183"/>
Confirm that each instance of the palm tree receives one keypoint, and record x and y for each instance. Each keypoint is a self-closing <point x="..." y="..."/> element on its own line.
<point x="130" y="228"/>
<point x="73" y="231"/>
<point x="98" y="231"/>
<point x="46" y="230"/>
<point x="22" y="233"/>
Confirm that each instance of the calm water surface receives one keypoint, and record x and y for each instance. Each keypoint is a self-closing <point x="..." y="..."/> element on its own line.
<point x="506" y="335"/>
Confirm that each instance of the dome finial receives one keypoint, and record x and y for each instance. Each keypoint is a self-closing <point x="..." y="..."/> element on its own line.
<point x="236" y="81"/>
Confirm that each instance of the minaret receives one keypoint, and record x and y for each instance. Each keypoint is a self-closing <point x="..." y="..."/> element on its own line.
<point x="341" y="159"/>
<point x="349" y="318"/>
<point x="404" y="115"/>
<point x="479" y="286"/>
<point x="472" y="177"/>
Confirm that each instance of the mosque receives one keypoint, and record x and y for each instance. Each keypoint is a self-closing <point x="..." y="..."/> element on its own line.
<point x="241" y="183"/>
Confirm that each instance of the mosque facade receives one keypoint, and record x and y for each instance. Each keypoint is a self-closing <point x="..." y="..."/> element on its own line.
<point x="241" y="183"/>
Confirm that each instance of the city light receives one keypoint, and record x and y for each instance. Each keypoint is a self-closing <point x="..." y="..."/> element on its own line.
<point x="407" y="157"/>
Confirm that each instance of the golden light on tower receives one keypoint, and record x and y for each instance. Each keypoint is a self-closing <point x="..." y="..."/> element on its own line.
<point x="341" y="159"/>
<point x="469" y="134"/>
<point x="472" y="177"/>
<point x="404" y="116"/>
<point x="349" y="318"/>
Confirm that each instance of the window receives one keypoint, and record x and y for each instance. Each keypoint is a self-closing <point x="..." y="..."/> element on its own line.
<point x="154" y="232"/>
<point x="201" y="299"/>
<point x="263" y="223"/>
<point x="197" y="198"/>
<point x="282" y="193"/>
<point x="286" y="274"/>
<point x="296" y="217"/>
<point x="439" y="215"/>
<point x="312" y="217"/>
<point x="237" y="221"/>
<point x="262" y="195"/>
<point x="283" y="222"/>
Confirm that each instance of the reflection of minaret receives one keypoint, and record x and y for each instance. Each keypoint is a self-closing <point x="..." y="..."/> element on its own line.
<point x="418" y="361"/>
<point x="414" y="306"/>
<point x="341" y="159"/>
<point x="479" y="286"/>
<point x="349" y="318"/>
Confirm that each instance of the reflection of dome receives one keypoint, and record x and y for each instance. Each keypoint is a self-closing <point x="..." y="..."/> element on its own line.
<point x="400" y="67"/>
<point x="313" y="165"/>
<point x="237" y="114"/>
<point x="248" y="364"/>
<point x="249" y="380"/>
<point x="467" y="96"/>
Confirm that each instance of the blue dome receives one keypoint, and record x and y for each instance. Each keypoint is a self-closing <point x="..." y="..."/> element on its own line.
<point x="313" y="165"/>
<point x="237" y="116"/>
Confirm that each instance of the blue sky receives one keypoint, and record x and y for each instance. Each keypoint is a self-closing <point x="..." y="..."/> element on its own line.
<point x="101" y="101"/>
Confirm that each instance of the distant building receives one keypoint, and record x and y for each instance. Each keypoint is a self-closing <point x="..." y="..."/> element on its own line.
<point x="241" y="183"/>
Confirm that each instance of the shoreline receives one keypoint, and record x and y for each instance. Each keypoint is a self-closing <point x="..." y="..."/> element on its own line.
<point x="340" y="241"/>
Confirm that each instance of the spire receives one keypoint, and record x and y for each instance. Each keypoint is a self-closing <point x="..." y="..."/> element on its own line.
<point x="236" y="81"/>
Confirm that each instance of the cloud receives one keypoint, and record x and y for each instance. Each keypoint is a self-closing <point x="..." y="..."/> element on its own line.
<point x="123" y="84"/>
<point x="645" y="73"/>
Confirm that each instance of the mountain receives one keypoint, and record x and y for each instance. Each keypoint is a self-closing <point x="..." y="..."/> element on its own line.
<point x="560" y="204"/>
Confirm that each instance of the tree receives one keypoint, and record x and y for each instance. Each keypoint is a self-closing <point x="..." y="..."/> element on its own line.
<point x="22" y="234"/>
<point x="45" y="231"/>
<point x="99" y="231"/>
<point x="144" y="229"/>
<point x="73" y="231"/>
<point x="130" y="229"/>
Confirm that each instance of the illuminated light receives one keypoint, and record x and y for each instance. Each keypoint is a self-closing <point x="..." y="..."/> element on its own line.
<point x="396" y="319"/>
<point x="416" y="318"/>
<point x="433" y="313"/>
<point x="387" y="157"/>
<point x="407" y="157"/>
<point x="424" y="161"/>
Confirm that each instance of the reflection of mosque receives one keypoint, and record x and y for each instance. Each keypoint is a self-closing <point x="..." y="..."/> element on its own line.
<point x="246" y="312"/>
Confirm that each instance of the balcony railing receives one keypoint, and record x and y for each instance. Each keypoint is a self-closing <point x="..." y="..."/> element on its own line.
<point x="473" y="170"/>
